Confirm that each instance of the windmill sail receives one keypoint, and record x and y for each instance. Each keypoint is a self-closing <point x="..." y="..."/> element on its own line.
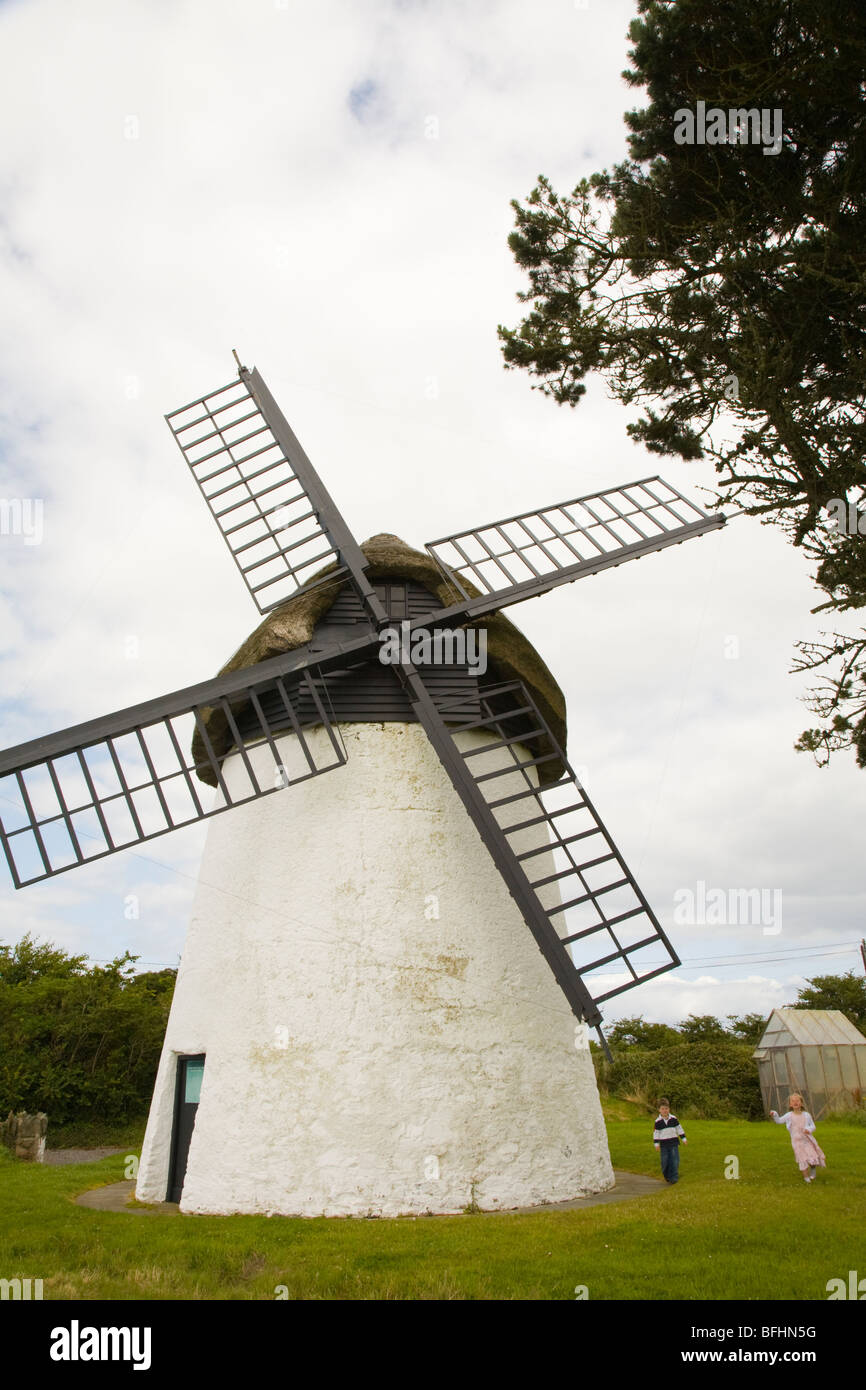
<point x="522" y="556"/>
<point x="105" y="786"/>
<point x="589" y="918"/>
<point x="597" y="919"/>
<point x="270" y="505"/>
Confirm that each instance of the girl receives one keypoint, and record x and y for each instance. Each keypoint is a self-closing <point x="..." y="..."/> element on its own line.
<point x="800" y="1127"/>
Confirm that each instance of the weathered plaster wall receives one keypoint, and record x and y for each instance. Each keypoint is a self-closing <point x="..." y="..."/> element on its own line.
<point x="373" y="1008"/>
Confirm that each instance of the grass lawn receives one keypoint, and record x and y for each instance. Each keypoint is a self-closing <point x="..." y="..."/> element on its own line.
<point x="765" y="1235"/>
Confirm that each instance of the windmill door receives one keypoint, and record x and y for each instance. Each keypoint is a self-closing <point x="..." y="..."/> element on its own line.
<point x="190" y="1071"/>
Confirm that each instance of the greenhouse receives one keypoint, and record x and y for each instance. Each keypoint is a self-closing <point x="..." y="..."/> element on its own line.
<point x="817" y="1052"/>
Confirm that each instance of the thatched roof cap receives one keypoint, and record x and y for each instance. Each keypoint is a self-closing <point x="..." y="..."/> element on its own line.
<point x="510" y="655"/>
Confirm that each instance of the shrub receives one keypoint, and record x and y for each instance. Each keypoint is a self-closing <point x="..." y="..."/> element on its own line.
<point x="78" y="1042"/>
<point x="711" y="1080"/>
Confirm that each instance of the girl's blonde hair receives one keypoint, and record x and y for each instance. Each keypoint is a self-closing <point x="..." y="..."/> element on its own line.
<point x="795" y="1095"/>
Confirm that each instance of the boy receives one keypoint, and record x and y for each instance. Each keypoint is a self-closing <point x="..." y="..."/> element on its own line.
<point x="667" y="1133"/>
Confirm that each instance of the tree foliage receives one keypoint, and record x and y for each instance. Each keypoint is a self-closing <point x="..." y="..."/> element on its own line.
<point x="721" y="288"/>
<point x="702" y="1028"/>
<point x="638" y="1032"/>
<point x="747" y="1027"/>
<point x="635" y="1032"/>
<point x="844" y="992"/>
<point x="78" y="1042"/>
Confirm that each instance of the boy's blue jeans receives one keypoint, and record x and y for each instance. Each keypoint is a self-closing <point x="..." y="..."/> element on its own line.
<point x="670" y="1156"/>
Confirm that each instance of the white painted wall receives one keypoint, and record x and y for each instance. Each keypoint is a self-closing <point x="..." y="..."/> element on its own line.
<point x="364" y="1054"/>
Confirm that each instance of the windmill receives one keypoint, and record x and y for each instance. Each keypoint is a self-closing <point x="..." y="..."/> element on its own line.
<point x="281" y="716"/>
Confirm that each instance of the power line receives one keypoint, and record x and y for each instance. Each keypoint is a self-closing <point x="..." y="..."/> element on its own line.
<point x="711" y="962"/>
<point x="783" y="954"/>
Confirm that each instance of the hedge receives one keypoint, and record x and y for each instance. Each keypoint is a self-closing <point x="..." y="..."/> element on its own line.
<point x="711" y="1080"/>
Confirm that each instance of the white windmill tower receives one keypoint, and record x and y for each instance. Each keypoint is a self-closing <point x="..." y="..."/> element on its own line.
<point x="361" y="1022"/>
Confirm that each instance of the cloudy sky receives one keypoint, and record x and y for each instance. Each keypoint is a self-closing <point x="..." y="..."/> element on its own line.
<point x="327" y="188"/>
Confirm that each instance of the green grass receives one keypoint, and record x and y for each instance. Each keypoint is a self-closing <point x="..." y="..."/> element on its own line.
<point x="765" y="1235"/>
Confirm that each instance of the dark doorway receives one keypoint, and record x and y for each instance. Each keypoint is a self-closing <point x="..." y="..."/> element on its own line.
<point x="190" y="1071"/>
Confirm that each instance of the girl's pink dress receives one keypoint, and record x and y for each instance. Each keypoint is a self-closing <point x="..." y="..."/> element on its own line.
<point x="807" y="1151"/>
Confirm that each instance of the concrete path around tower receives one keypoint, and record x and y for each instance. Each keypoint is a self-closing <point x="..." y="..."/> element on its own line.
<point x="118" y="1196"/>
<point x="628" y="1185"/>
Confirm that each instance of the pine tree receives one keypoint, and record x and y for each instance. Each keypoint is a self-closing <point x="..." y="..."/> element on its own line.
<point x="720" y="286"/>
